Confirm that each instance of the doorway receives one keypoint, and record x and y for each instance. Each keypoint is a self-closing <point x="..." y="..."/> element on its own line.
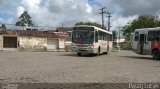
<point x="9" y="42"/>
<point x="141" y="44"/>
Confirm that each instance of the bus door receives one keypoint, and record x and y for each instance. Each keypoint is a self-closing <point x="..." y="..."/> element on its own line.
<point x="140" y="44"/>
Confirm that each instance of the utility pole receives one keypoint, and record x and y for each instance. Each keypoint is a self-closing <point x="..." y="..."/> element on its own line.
<point x="0" y="17"/>
<point x="109" y="20"/>
<point x="62" y="25"/>
<point x="119" y="28"/>
<point x="102" y="12"/>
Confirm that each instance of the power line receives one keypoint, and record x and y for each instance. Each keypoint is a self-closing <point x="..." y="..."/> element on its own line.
<point x="102" y="12"/>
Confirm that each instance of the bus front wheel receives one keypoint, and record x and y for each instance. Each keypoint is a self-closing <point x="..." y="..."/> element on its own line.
<point x="98" y="52"/>
<point x="156" y="54"/>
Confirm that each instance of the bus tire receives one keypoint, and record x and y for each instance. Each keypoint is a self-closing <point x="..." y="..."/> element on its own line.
<point x="98" y="52"/>
<point x="107" y="50"/>
<point x="79" y="54"/>
<point x="91" y="54"/>
<point x="156" y="54"/>
<point x="105" y="53"/>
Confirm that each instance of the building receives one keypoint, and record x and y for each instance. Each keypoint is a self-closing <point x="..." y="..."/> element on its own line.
<point x="32" y="40"/>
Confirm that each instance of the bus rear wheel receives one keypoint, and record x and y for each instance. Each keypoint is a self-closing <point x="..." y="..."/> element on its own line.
<point x="79" y="54"/>
<point x="156" y="54"/>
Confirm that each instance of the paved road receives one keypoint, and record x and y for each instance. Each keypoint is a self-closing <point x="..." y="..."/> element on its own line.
<point x="65" y="67"/>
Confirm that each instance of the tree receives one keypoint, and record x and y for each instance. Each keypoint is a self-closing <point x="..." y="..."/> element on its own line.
<point x="25" y="20"/>
<point x="90" y="24"/>
<point x="143" y="21"/>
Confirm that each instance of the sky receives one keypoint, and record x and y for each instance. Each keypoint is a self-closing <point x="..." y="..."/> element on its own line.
<point x="54" y="13"/>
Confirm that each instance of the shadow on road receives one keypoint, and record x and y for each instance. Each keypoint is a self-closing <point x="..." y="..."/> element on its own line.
<point x="135" y="57"/>
<point x="75" y="55"/>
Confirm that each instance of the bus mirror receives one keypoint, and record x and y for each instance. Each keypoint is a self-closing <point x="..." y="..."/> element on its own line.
<point x="157" y="38"/>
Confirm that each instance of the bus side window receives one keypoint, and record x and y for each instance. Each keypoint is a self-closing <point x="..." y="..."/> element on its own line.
<point x="100" y="35"/>
<point x="151" y="36"/>
<point x="110" y="38"/>
<point x="104" y="36"/>
<point x="158" y="36"/>
<point x="136" y="38"/>
<point x="96" y="36"/>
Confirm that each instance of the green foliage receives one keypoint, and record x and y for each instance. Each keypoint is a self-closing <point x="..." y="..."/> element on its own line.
<point x="90" y="24"/>
<point x="143" y="21"/>
<point x="25" y="20"/>
<point x="127" y="42"/>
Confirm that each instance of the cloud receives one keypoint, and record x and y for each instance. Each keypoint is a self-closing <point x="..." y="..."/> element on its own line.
<point x="119" y="21"/>
<point x="9" y="5"/>
<point x="7" y="10"/>
<point x="20" y="10"/>
<point x="53" y="13"/>
<point x="57" y="12"/>
<point x="133" y="7"/>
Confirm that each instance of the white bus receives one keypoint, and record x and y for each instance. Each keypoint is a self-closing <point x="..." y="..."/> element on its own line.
<point x="146" y="41"/>
<point x="90" y="40"/>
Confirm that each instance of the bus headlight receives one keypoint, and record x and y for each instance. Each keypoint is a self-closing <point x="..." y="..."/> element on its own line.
<point x="91" y="46"/>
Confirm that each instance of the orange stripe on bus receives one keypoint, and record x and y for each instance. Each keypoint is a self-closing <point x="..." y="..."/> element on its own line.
<point x="155" y="44"/>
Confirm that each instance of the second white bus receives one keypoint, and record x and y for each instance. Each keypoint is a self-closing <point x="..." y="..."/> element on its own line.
<point x="146" y="41"/>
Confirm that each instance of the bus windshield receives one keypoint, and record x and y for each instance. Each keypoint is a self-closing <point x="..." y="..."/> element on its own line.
<point x="83" y="35"/>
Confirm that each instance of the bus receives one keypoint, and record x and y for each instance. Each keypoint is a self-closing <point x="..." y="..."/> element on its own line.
<point x="90" y="40"/>
<point x="146" y="41"/>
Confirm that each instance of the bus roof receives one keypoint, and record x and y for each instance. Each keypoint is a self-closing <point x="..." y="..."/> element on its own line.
<point x="95" y="28"/>
<point x="147" y="29"/>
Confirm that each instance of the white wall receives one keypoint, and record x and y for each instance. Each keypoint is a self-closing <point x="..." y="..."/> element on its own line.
<point x="28" y="42"/>
<point x="61" y="43"/>
<point x="121" y="40"/>
<point x="52" y="44"/>
<point x="1" y="42"/>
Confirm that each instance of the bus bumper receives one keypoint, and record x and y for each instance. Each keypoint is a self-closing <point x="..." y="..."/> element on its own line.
<point x="82" y="50"/>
